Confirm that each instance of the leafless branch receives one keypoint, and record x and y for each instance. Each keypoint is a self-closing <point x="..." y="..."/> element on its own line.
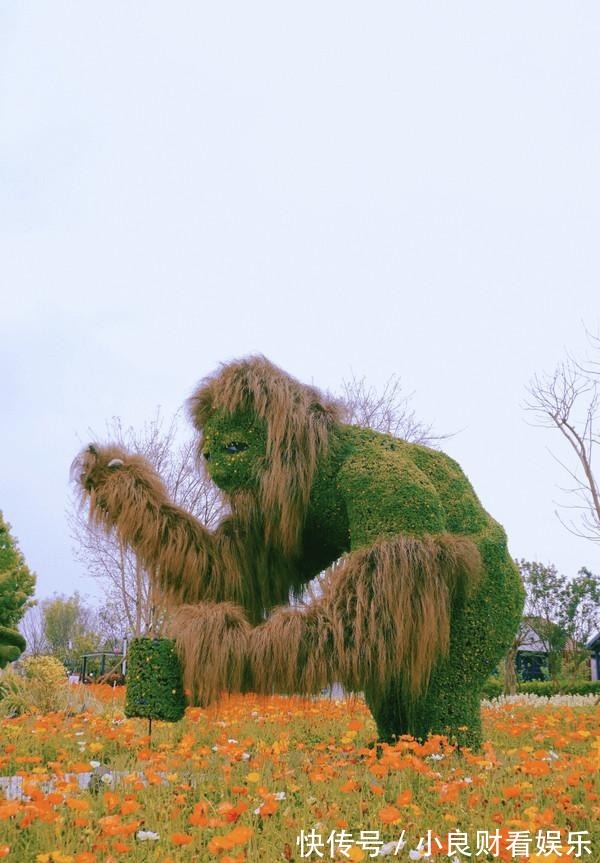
<point x="568" y="400"/>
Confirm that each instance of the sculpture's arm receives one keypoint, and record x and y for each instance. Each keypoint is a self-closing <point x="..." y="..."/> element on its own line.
<point x="126" y="494"/>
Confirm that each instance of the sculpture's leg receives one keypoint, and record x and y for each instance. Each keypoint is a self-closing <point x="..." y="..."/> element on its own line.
<point x="481" y="633"/>
<point x="389" y="711"/>
<point x="448" y="711"/>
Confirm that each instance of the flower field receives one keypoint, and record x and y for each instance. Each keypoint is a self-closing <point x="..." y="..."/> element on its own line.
<point x="271" y="779"/>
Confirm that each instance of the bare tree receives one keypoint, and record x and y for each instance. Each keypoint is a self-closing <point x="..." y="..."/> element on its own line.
<point x="568" y="400"/>
<point x="386" y="410"/>
<point x="127" y="585"/>
<point x="33" y="630"/>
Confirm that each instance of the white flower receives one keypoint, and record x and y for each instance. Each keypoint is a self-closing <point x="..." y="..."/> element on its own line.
<point x="418" y="854"/>
<point x="232" y="740"/>
<point x="391" y="848"/>
<point x="147" y="836"/>
<point x="245" y="756"/>
<point x="106" y="778"/>
<point x="94" y="764"/>
<point x="215" y="748"/>
<point x="279" y="795"/>
<point x="467" y="780"/>
<point x="436" y="756"/>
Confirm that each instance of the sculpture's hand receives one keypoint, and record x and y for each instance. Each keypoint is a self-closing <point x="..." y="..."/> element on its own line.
<point x="94" y="463"/>
<point x="12" y="645"/>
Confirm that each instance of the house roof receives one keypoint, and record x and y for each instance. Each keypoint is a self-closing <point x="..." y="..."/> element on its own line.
<point x="594" y="642"/>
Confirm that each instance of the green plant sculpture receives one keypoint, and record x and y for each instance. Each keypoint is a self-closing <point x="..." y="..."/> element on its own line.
<point x="420" y="597"/>
<point x="154" y="688"/>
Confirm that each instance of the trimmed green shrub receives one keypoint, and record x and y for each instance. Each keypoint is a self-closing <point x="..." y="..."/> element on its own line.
<point x="154" y="680"/>
<point x="493" y="688"/>
<point x="548" y="687"/>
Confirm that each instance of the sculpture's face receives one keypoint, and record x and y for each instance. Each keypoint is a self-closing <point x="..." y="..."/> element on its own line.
<point x="234" y="448"/>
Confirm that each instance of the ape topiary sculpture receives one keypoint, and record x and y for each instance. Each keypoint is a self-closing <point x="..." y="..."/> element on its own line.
<point x="420" y="597"/>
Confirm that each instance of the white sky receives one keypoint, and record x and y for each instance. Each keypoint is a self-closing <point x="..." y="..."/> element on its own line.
<point x="408" y="188"/>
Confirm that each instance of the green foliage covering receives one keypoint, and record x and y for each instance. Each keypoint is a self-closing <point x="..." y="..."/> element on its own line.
<point x="231" y="469"/>
<point x="388" y="487"/>
<point x="17" y="585"/>
<point x="154" y="680"/>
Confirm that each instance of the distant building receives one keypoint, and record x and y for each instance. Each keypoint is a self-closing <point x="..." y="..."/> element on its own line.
<point x="532" y="655"/>
<point x="593" y="645"/>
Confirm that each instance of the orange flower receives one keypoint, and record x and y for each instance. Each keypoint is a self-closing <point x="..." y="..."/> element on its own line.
<point x="238" y="836"/>
<point x="269" y="807"/>
<point x="181" y="838"/>
<point x="111" y="800"/>
<point x="4" y="850"/>
<point x="404" y="798"/>
<point x="389" y="814"/>
<point x="9" y="808"/>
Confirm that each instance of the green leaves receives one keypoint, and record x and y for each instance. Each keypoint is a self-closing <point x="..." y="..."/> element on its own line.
<point x="154" y="680"/>
<point x="17" y="585"/>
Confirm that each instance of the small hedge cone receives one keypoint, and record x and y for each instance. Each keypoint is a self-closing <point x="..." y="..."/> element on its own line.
<point x="154" y="680"/>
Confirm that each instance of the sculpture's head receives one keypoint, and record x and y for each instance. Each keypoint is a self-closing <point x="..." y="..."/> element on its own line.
<point x="234" y="449"/>
<point x="263" y="432"/>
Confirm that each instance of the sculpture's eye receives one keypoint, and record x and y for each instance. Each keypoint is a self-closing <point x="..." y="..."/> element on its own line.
<point x="235" y="446"/>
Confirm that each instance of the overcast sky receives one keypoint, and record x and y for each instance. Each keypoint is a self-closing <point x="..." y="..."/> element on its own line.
<point x="377" y="188"/>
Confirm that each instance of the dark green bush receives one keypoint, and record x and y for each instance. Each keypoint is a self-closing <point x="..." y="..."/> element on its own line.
<point x="493" y="688"/>
<point x="154" y="680"/>
<point x="549" y="687"/>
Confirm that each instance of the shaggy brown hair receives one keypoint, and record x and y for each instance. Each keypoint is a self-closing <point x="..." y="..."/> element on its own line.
<point x="298" y="419"/>
<point x="212" y="641"/>
<point x="390" y="606"/>
<point x="178" y="552"/>
<point x="292" y="652"/>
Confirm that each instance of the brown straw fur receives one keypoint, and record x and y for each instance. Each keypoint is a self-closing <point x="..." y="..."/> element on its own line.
<point x="292" y="652"/>
<point x="172" y="545"/>
<point x="390" y="606"/>
<point x="212" y="640"/>
<point x="298" y="421"/>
